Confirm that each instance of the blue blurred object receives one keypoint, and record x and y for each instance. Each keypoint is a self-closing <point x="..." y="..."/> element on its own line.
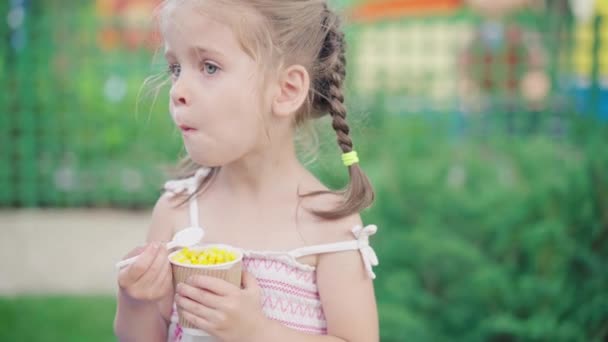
<point x="16" y="21"/>
<point x="603" y="105"/>
<point x="589" y="85"/>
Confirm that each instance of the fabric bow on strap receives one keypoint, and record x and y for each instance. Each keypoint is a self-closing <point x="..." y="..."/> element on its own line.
<point x="187" y="184"/>
<point x="367" y="253"/>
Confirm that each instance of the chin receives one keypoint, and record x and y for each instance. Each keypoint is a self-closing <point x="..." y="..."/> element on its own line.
<point x="203" y="161"/>
<point x="209" y="155"/>
<point x="206" y="159"/>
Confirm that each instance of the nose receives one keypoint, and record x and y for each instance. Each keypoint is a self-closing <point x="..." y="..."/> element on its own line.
<point x="179" y="94"/>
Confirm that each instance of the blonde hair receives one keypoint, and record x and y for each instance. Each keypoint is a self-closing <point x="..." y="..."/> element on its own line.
<point x="287" y="32"/>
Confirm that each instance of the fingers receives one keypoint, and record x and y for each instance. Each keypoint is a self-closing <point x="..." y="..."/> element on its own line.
<point x="198" y="295"/>
<point x="215" y="285"/>
<point x="136" y="251"/>
<point x="197" y="321"/>
<point x="248" y="281"/>
<point x="157" y="264"/>
<point x="143" y="262"/>
<point x="150" y="276"/>
<point x="165" y="279"/>
<point x="131" y="274"/>
<point x="195" y="308"/>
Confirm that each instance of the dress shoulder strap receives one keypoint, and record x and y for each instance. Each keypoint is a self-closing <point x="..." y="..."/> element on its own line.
<point x="361" y="243"/>
<point x="188" y="185"/>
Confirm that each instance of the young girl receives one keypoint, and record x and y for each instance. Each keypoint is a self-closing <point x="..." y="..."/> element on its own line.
<point x="245" y="76"/>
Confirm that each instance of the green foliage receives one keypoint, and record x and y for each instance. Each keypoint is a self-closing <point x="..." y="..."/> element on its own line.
<point x="483" y="237"/>
<point x="51" y="319"/>
<point x="501" y="239"/>
<point x="479" y="239"/>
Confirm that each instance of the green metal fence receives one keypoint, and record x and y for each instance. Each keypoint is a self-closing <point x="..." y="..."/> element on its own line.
<point x="72" y="134"/>
<point x="77" y="129"/>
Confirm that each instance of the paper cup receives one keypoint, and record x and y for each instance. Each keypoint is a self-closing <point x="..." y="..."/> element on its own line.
<point x="230" y="271"/>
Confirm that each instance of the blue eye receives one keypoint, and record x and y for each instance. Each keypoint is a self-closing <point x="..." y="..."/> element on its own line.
<point x="210" y="68"/>
<point x="174" y="69"/>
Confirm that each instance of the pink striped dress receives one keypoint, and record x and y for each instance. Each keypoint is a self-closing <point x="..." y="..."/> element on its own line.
<point x="289" y="288"/>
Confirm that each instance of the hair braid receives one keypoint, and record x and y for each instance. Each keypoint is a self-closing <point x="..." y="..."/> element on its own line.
<point x="329" y="88"/>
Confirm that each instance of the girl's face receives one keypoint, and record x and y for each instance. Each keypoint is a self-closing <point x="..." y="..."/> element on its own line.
<point x="215" y="97"/>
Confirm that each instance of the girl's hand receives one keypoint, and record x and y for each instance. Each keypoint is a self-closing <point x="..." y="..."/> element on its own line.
<point x="149" y="278"/>
<point x="221" y="309"/>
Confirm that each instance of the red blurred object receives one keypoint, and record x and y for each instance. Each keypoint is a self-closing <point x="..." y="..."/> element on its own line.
<point x="126" y="23"/>
<point x="398" y="8"/>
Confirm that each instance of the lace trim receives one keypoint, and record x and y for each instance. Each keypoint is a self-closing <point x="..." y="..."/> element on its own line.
<point x="284" y="257"/>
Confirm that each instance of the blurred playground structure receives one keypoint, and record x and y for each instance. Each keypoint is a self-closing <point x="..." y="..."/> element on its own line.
<point x="483" y="125"/>
<point x="79" y="117"/>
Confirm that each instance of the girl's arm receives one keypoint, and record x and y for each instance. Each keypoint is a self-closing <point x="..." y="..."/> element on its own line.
<point x="139" y="319"/>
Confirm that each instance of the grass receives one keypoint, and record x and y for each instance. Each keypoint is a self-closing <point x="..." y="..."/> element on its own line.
<point x="57" y="319"/>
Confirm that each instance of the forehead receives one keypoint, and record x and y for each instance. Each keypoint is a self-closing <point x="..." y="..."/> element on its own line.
<point x="186" y="26"/>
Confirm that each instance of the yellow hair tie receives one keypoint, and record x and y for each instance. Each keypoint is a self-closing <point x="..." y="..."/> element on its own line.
<point x="350" y="158"/>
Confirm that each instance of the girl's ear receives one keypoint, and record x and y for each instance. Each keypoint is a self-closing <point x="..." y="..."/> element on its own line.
<point x="292" y="90"/>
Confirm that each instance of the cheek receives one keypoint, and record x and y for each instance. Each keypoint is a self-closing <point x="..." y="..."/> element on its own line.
<point x="227" y="133"/>
<point x="241" y="126"/>
<point x="231" y="121"/>
<point x="242" y="115"/>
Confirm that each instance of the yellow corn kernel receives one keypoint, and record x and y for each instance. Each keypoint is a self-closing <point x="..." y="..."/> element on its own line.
<point x="208" y="256"/>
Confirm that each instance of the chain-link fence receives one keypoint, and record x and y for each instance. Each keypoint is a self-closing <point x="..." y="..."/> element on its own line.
<point x="78" y="128"/>
<point x="72" y="131"/>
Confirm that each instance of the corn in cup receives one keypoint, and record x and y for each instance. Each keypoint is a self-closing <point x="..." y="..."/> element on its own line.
<point x="213" y="260"/>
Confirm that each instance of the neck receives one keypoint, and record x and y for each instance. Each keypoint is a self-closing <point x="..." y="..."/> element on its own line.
<point x="270" y="171"/>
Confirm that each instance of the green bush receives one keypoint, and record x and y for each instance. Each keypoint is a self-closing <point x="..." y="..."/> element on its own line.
<point x="489" y="239"/>
<point x="482" y="237"/>
<point x="59" y="318"/>
<point x="501" y="239"/>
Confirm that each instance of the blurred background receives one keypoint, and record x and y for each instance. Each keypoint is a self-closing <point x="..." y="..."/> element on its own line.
<point x="483" y="125"/>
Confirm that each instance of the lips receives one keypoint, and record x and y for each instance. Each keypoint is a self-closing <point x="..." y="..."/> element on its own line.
<point x="185" y="128"/>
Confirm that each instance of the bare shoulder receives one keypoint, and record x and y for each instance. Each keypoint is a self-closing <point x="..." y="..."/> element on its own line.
<point x="345" y="287"/>
<point x="166" y="216"/>
<point x="327" y="231"/>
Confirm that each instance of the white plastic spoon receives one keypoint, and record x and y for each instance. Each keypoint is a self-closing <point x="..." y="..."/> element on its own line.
<point x="184" y="238"/>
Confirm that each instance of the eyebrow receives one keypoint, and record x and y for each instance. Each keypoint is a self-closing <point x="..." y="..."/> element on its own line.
<point x="196" y="50"/>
